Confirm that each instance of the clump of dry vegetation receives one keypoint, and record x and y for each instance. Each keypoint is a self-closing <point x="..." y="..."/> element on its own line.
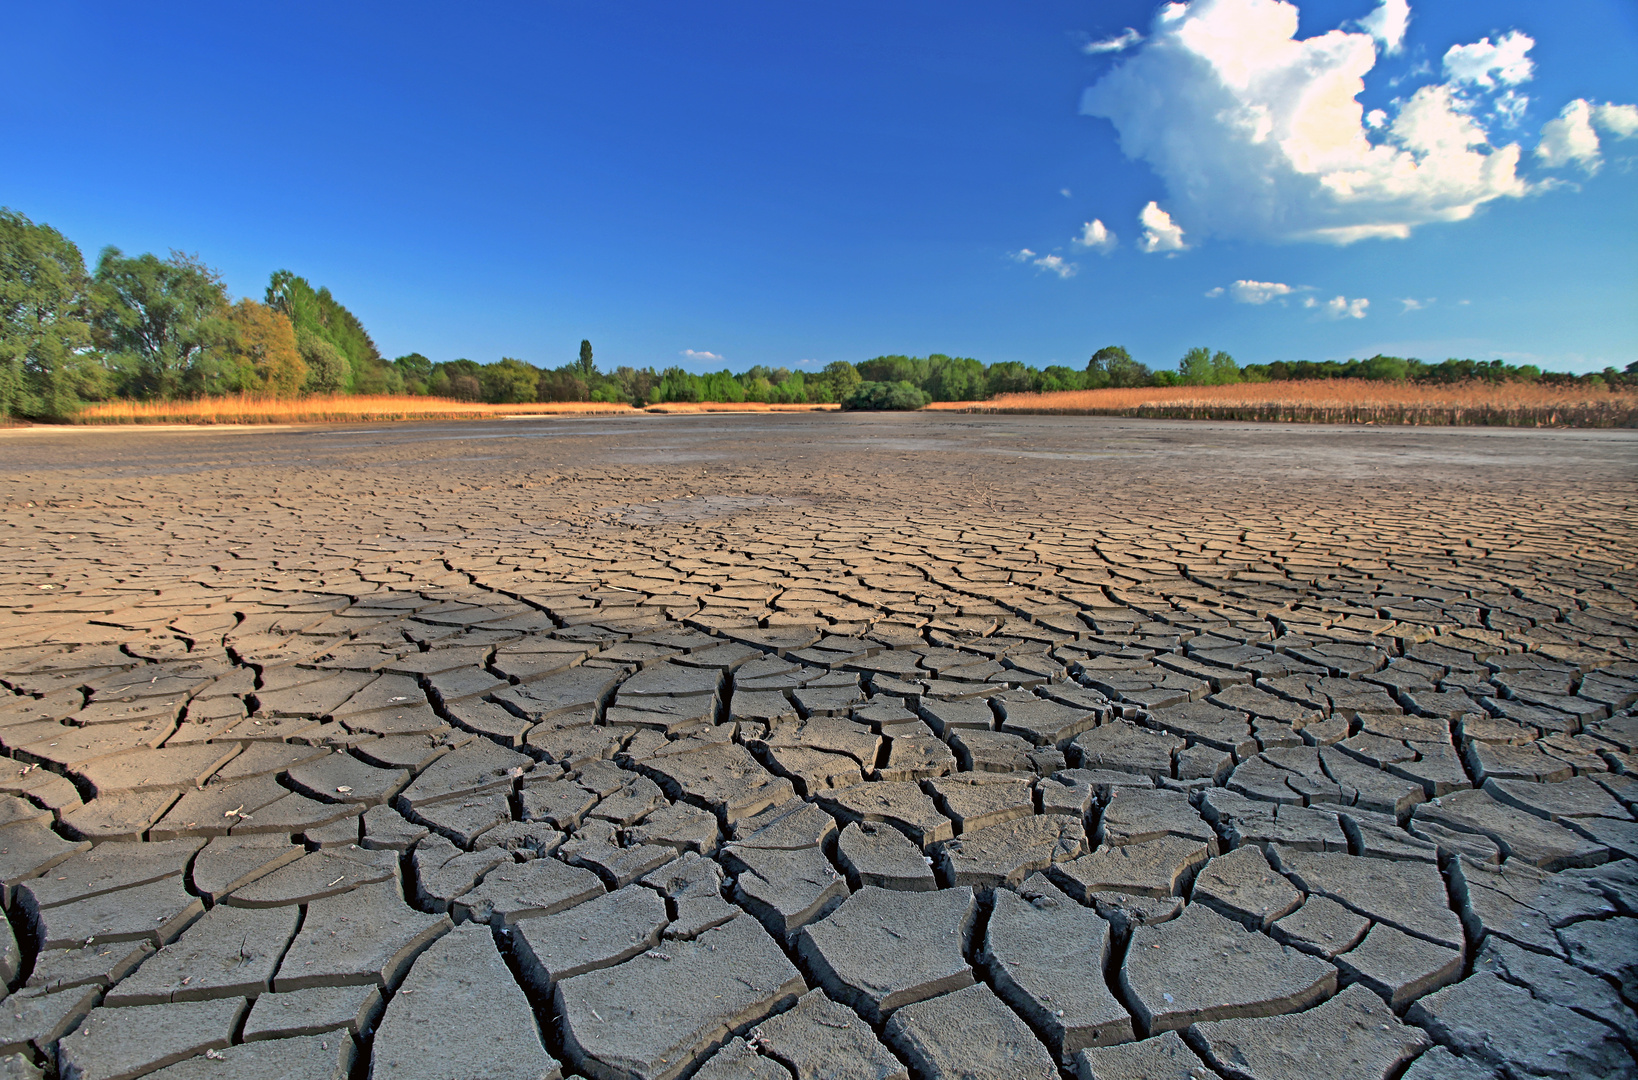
<point x="336" y="408"/>
<point x="1339" y="401"/>
<point x="375" y="408"/>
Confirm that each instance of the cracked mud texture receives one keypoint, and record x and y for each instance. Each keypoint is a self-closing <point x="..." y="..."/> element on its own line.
<point x="818" y="746"/>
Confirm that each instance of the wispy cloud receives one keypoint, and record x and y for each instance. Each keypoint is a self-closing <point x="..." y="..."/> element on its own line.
<point x="1411" y="304"/>
<point x="695" y="354"/>
<point x="1119" y="43"/>
<point x="1055" y="264"/>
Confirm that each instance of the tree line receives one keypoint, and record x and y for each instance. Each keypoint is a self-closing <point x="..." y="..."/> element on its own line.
<point x="151" y="328"/>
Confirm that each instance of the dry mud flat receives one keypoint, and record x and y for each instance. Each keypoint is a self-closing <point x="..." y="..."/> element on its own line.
<point x="834" y="746"/>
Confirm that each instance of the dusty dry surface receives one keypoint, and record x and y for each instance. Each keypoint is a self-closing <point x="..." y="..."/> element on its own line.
<point x="819" y="746"/>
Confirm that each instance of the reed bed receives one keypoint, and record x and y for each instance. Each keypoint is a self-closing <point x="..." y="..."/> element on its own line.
<point x="366" y="408"/>
<point x="1338" y="401"/>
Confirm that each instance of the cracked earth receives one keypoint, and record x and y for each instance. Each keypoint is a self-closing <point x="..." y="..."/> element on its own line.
<point x="751" y="748"/>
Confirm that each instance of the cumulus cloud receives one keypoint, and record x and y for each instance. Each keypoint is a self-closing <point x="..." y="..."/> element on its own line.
<point x="1388" y="24"/>
<point x="1118" y="43"/>
<point x="1484" y="64"/>
<point x="692" y="354"/>
<point x="1339" y="307"/>
<point x="1259" y="292"/>
<point x="1570" y="139"/>
<point x="1160" y="233"/>
<point x="1620" y="121"/>
<point x="1096" y="235"/>
<point x="1259" y="134"/>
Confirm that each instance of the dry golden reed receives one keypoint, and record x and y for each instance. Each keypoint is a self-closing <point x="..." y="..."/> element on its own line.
<point x="1339" y="401"/>
<point x="368" y="408"/>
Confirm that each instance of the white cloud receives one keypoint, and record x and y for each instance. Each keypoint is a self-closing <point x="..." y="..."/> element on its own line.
<point x="692" y="354"/>
<point x="1259" y="292"/>
<point x="1509" y="107"/>
<point x="1066" y="193"/>
<point x="1484" y="64"/>
<point x="1388" y="24"/>
<point x="1570" y="138"/>
<point x="1159" y="232"/>
<point x="1096" y="235"/>
<point x="1415" y="305"/>
<point x="1259" y="134"/>
<point x="1118" y="43"/>
<point x="1055" y="264"/>
<point x="1214" y="293"/>
<point x="1620" y="121"/>
<point x="1339" y="307"/>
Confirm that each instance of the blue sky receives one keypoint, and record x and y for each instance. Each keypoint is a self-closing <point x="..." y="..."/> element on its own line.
<point x="795" y="184"/>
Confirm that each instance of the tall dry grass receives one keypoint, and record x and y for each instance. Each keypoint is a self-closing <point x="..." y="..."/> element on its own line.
<point x="1338" y="401"/>
<point x="372" y="408"/>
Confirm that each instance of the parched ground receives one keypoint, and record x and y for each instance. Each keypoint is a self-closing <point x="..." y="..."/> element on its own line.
<point x="819" y="746"/>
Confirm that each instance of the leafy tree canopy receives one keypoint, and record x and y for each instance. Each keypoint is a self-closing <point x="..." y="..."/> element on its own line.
<point x="163" y="318"/>
<point x="265" y="346"/>
<point x="45" y="328"/>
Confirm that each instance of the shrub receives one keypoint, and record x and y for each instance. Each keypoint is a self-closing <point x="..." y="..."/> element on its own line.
<point x="896" y="396"/>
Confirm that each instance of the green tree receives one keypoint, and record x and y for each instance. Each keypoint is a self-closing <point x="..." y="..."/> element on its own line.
<point x="637" y="385"/>
<point x="1008" y="377"/>
<point x="327" y="369"/>
<point x="318" y="312"/>
<point x="721" y="386"/>
<point x="415" y="370"/>
<point x="161" y="317"/>
<point x="1098" y="368"/>
<point x="45" y="332"/>
<point x="1195" y="368"/>
<point x="887" y="369"/>
<point x="1385" y="368"/>
<point x="1058" y="377"/>
<point x="586" y="368"/>
<point x="509" y="381"/>
<point x="677" y="385"/>
<point x="840" y="377"/>
<point x="564" y="384"/>
<point x="1112" y="365"/>
<point x="954" y="378"/>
